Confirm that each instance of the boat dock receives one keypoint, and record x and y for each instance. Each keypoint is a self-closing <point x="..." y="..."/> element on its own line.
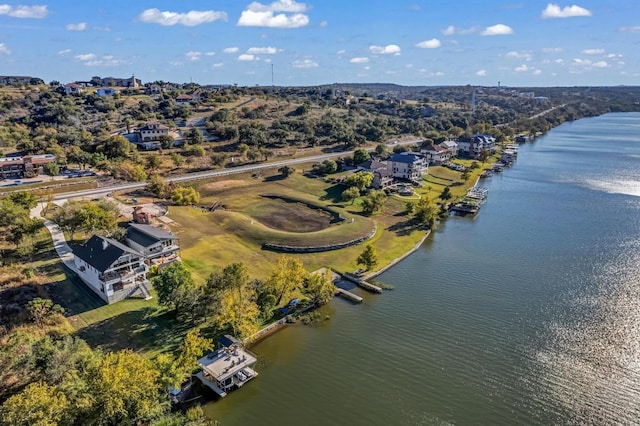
<point x="362" y="283"/>
<point x="348" y="295"/>
<point x="472" y="202"/>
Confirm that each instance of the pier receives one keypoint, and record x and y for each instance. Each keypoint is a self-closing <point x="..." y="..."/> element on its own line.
<point x="362" y="283"/>
<point x="348" y="295"/>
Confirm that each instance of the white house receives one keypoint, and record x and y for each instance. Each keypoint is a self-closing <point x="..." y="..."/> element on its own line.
<point x="152" y="131"/>
<point x="156" y="245"/>
<point x="381" y="176"/>
<point x="73" y="88"/>
<point x="112" y="270"/>
<point x="435" y="154"/>
<point x="474" y="146"/>
<point x="407" y="165"/>
<point x="451" y="147"/>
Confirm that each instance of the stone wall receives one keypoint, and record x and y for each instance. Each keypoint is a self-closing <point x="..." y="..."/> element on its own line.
<point x="316" y="249"/>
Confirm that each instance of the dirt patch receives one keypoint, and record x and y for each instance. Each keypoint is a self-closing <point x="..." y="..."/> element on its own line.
<point x="291" y="217"/>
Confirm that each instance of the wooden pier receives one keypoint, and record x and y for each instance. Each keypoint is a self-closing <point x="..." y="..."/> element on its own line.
<point x="362" y="283"/>
<point x="348" y="295"/>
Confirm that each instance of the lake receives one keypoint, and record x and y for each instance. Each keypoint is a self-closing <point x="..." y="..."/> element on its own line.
<point x="528" y="313"/>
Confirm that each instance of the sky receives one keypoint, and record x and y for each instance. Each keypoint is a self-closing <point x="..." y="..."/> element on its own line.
<point x="291" y="43"/>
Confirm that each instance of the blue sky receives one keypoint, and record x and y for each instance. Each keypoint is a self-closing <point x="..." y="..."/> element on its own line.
<point x="435" y="42"/>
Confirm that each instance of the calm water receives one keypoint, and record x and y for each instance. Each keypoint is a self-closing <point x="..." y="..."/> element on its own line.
<point x="527" y="314"/>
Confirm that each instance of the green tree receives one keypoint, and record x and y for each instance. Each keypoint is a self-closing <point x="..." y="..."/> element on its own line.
<point x="125" y="387"/>
<point x="361" y="180"/>
<point x="368" y="258"/>
<point x="51" y="169"/>
<point x="426" y="212"/>
<point x="320" y="287"/>
<point x="26" y="199"/>
<point x="286" y="171"/>
<point x="116" y="147"/>
<point x="154" y="162"/>
<point x="194" y="136"/>
<point x="178" y="160"/>
<point x="166" y="141"/>
<point x="44" y="311"/>
<point x="446" y="194"/>
<point x="288" y="276"/>
<point x="350" y="194"/>
<point x="158" y="186"/>
<point x="192" y="349"/>
<point x="185" y="196"/>
<point x="373" y="202"/>
<point x="95" y="218"/>
<point x="37" y="405"/>
<point x="382" y="150"/>
<point x="177" y="289"/>
<point x="360" y="156"/>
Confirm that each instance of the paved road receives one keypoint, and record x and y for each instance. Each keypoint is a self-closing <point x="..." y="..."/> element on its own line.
<point x="59" y="242"/>
<point x="101" y="192"/>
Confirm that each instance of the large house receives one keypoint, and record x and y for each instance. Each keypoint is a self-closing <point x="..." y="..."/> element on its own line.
<point x="473" y="146"/>
<point x="381" y="176"/>
<point x="111" y="269"/>
<point x="435" y="154"/>
<point x="24" y="167"/>
<point x="152" y="132"/>
<point x="407" y="165"/>
<point x="157" y="246"/>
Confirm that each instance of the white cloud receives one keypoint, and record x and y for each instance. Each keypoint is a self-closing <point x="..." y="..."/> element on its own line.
<point x="106" y="61"/>
<point x="554" y="11"/>
<point x="600" y="64"/>
<point x="635" y="29"/>
<point x="305" y="63"/>
<point x="559" y="61"/>
<point x="366" y="68"/>
<point x="218" y="65"/>
<point x="434" y="43"/>
<point x="189" y="19"/>
<point x="552" y="50"/>
<point x="390" y="49"/>
<point x="537" y="72"/>
<point x="4" y="50"/>
<point x="526" y="55"/>
<point x="498" y="29"/>
<point x="86" y="57"/>
<point x="324" y="24"/>
<point x="77" y="27"/>
<point x="481" y="73"/>
<point x="210" y="54"/>
<point x="35" y="12"/>
<point x="230" y="50"/>
<point x="63" y="52"/>
<point x="193" y="56"/>
<point x="263" y="50"/>
<point x="247" y="57"/>
<point x="593" y="51"/>
<point x="521" y="68"/>
<point x="359" y="60"/>
<point x="578" y="61"/>
<point x="265" y="15"/>
<point x="341" y="52"/>
<point x="451" y="30"/>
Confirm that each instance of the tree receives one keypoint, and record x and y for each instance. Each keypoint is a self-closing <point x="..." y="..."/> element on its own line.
<point x="320" y="287"/>
<point x="177" y="289"/>
<point x="166" y="141"/>
<point x="44" y="311"/>
<point x="191" y="350"/>
<point x="361" y="180"/>
<point x="233" y="299"/>
<point x="178" y="160"/>
<point x="158" y="186"/>
<point x="446" y="193"/>
<point x="154" y="162"/>
<point x="116" y="147"/>
<point x="425" y="212"/>
<point x="369" y="257"/>
<point x="37" y="405"/>
<point x="125" y="387"/>
<point x="466" y="174"/>
<point x="51" y="169"/>
<point x="382" y="150"/>
<point x="95" y="218"/>
<point x="219" y="158"/>
<point x="373" y="202"/>
<point x="26" y="199"/>
<point x="350" y="194"/>
<point x="185" y="196"/>
<point x="360" y="156"/>
<point x="194" y="136"/>
<point x="288" y="276"/>
<point x="286" y="171"/>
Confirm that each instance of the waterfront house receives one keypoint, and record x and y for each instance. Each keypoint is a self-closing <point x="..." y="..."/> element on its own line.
<point x="380" y="169"/>
<point x="159" y="247"/>
<point x="407" y="165"/>
<point x="112" y="270"/>
<point x="228" y="368"/>
<point x="435" y="154"/>
<point x="473" y="146"/>
<point x="451" y="147"/>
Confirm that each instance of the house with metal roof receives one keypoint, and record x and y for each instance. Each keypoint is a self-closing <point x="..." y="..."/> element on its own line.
<point x="111" y="269"/>
<point x="407" y="165"/>
<point x="158" y="246"/>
